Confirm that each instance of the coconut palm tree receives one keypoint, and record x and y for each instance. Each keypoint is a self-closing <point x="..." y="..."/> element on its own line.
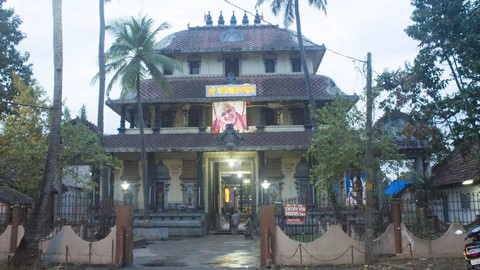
<point x="131" y="59"/>
<point x="291" y="12"/>
<point x="27" y="253"/>
<point x="103" y="170"/>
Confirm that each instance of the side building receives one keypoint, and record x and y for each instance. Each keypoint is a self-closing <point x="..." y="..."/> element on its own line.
<point x="233" y="133"/>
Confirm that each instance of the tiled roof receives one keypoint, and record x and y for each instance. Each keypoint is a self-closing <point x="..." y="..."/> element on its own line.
<point x="250" y="38"/>
<point x="258" y="141"/>
<point x="456" y="168"/>
<point x="269" y="88"/>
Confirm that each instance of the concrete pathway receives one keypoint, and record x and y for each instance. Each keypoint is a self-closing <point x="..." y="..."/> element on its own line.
<point x="207" y="252"/>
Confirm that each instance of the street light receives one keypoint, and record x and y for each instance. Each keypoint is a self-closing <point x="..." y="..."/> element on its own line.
<point x="125" y="185"/>
<point x="265" y="186"/>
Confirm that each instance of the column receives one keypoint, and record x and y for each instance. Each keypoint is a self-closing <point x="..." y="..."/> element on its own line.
<point x="123" y="111"/>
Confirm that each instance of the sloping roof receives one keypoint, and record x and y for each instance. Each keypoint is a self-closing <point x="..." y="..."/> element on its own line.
<point x="268" y="87"/>
<point x="251" y="38"/>
<point x="457" y="167"/>
<point x="9" y="195"/>
<point x="396" y="187"/>
<point x="258" y="141"/>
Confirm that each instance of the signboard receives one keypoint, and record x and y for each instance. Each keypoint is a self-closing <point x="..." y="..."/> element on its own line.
<point x="295" y="210"/>
<point x="231" y="90"/>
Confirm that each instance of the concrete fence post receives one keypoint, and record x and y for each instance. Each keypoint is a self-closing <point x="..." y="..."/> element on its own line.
<point x="267" y="235"/>
<point x="124" y="237"/>
<point x="15" y="223"/>
<point x="397" y="228"/>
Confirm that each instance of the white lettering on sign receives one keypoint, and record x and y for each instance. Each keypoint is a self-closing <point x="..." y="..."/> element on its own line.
<point x="295" y="210"/>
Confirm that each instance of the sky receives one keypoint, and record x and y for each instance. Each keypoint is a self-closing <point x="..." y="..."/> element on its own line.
<point x="349" y="30"/>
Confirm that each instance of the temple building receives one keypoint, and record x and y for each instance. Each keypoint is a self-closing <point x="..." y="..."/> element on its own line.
<point x="233" y="133"/>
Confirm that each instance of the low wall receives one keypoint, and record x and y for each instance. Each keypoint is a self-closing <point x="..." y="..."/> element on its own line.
<point x="333" y="248"/>
<point x="79" y="251"/>
<point x="5" y="241"/>
<point x="336" y="247"/>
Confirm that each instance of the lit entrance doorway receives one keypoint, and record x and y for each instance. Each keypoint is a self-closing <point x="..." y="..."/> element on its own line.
<point x="232" y="186"/>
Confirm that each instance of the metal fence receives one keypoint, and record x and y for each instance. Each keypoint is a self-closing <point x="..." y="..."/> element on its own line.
<point x="90" y="219"/>
<point x="427" y="217"/>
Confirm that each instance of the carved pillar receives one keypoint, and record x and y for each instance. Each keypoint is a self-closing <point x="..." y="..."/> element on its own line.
<point x="200" y="175"/>
<point x="167" y="187"/>
<point x="261" y="172"/>
<point x="123" y="112"/>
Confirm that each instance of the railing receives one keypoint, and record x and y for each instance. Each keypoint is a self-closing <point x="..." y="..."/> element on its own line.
<point x="90" y="220"/>
<point x="427" y="217"/>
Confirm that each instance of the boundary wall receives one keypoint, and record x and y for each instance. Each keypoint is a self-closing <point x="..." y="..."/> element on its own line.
<point x="336" y="247"/>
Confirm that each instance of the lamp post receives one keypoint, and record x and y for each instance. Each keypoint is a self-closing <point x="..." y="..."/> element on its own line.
<point x="125" y="185"/>
<point x="265" y="186"/>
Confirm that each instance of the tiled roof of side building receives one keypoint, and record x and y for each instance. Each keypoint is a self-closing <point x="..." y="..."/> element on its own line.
<point x="258" y="141"/>
<point x="457" y="168"/>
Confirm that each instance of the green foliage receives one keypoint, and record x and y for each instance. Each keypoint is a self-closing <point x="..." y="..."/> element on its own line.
<point x="133" y="56"/>
<point x="339" y="145"/>
<point x="23" y="138"/>
<point x="81" y="145"/>
<point x="11" y="60"/>
<point x="288" y="8"/>
<point x="441" y="89"/>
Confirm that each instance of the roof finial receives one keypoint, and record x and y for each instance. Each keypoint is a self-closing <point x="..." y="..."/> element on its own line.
<point x="209" y="20"/>
<point x="233" y="19"/>
<point x="245" y="19"/>
<point x="221" y="21"/>
<point x="257" y="20"/>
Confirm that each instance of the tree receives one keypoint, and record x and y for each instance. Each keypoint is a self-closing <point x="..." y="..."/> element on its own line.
<point x="23" y="138"/>
<point x="11" y="60"/>
<point x="441" y="89"/>
<point x="339" y="148"/>
<point x="103" y="172"/>
<point x="132" y="58"/>
<point x="27" y="252"/>
<point x="292" y="12"/>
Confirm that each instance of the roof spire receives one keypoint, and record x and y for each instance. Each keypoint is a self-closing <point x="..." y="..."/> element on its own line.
<point x="233" y="19"/>
<point x="245" y="19"/>
<point x="221" y="21"/>
<point x="257" y="20"/>
<point x="209" y="20"/>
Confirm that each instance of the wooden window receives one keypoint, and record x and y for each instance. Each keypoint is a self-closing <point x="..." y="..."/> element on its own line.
<point x="298" y="116"/>
<point x="271" y="117"/>
<point x="296" y="64"/>
<point x="194" y="67"/>
<point x="232" y="64"/>
<point x="269" y="65"/>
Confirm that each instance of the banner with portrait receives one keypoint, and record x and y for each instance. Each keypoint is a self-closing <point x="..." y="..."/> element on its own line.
<point x="229" y="112"/>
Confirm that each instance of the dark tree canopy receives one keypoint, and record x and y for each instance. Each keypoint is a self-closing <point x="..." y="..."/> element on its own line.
<point x="441" y="88"/>
<point x="11" y="60"/>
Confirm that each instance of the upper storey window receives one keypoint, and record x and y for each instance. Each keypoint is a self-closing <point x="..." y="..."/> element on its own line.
<point x="194" y="67"/>
<point x="232" y="66"/>
<point x="296" y="64"/>
<point x="167" y="71"/>
<point x="269" y="65"/>
<point x="270" y="61"/>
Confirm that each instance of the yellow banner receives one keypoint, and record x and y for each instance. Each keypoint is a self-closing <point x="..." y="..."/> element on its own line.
<point x="231" y="90"/>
